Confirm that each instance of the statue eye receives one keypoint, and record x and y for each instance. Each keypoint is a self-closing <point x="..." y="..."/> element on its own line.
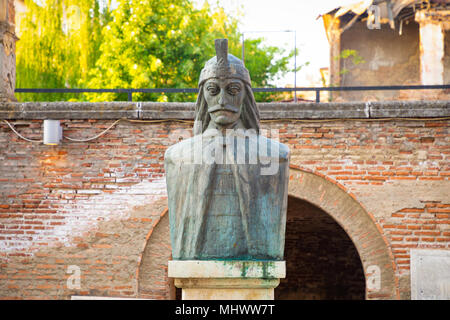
<point x="213" y="89"/>
<point x="233" y="89"/>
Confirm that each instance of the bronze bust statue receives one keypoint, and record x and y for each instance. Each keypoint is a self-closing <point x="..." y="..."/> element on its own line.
<point x="227" y="185"/>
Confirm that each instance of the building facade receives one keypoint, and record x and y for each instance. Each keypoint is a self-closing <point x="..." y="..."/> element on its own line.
<point x="382" y="43"/>
<point x="368" y="187"/>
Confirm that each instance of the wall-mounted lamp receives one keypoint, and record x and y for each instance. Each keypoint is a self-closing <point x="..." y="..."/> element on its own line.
<point x="52" y="132"/>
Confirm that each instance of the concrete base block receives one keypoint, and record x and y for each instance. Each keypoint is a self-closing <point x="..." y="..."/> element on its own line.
<point x="227" y="280"/>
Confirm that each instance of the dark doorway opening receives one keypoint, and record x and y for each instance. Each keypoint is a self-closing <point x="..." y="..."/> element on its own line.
<point x="322" y="262"/>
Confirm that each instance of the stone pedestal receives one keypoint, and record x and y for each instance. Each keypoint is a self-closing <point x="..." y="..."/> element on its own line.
<point x="227" y="279"/>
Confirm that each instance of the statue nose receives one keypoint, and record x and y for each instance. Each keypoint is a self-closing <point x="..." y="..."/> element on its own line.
<point x="222" y="99"/>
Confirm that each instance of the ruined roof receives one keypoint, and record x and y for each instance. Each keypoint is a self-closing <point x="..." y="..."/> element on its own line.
<point x="388" y="11"/>
<point x="361" y="7"/>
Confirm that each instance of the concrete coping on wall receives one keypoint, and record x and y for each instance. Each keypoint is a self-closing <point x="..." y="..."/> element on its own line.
<point x="177" y="110"/>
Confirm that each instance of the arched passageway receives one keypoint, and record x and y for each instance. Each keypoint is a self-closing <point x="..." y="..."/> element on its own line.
<point x="359" y="225"/>
<point x="322" y="262"/>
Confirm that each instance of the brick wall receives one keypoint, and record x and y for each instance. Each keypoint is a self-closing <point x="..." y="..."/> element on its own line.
<point x="95" y="204"/>
<point x="85" y="204"/>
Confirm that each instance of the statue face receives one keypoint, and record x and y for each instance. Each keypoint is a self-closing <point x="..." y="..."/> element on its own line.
<point x="224" y="98"/>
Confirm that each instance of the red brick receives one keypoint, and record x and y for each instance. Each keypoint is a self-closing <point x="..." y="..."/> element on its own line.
<point x="311" y="135"/>
<point x="403" y="178"/>
<point x="396" y="232"/>
<point x="440" y="211"/>
<point x="403" y="261"/>
<point x="46" y="266"/>
<point x="427" y="233"/>
<point x="413" y="210"/>
<point x="390" y="226"/>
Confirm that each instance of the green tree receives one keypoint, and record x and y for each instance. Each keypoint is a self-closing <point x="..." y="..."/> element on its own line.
<point x="139" y="44"/>
<point x="59" y="44"/>
<point x="265" y="64"/>
<point x="165" y="43"/>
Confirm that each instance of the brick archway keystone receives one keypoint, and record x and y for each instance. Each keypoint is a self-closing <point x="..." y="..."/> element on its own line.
<point x="360" y="226"/>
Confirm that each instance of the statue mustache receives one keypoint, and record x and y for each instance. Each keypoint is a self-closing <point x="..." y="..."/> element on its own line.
<point x="223" y="108"/>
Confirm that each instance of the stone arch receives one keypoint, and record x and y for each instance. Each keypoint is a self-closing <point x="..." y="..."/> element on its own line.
<point x="151" y="274"/>
<point x="373" y="248"/>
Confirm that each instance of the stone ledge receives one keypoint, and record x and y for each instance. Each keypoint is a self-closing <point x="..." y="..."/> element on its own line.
<point x="178" y="110"/>
<point x="408" y="109"/>
<point x="68" y="110"/>
<point x="227" y="269"/>
<point x="226" y="283"/>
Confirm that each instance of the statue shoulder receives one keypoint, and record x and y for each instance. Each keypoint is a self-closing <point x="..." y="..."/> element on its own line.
<point x="180" y="149"/>
<point x="283" y="150"/>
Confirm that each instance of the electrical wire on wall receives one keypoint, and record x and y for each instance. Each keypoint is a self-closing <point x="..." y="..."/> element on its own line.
<point x="94" y="137"/>
<point x="262" y="121"/>
<point x="19" y="135"/>
<point x="101" y="133"/>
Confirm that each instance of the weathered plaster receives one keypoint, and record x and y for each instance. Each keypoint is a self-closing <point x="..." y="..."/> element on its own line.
<point x="396" y="195"/>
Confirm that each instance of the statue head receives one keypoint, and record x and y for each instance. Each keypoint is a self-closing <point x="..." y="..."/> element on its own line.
<point x="225" y="95"/>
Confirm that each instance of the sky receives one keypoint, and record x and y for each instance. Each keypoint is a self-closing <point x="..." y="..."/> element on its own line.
<point x="298" y="15"/>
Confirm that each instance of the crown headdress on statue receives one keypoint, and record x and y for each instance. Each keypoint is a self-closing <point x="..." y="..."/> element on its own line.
<point x="224" y="65"/>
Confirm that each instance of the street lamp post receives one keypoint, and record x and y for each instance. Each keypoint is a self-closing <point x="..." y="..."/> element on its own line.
<point x="295" y="53"/>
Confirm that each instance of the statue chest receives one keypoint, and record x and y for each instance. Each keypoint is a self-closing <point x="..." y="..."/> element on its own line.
<point x="224" y="232"/>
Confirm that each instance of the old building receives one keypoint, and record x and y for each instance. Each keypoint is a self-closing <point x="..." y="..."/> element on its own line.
<point x="395" y="43"/>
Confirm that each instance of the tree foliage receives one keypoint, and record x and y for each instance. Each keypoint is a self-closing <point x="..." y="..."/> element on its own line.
<point x="139" y="44"/>
<point x="350" y="58"/>
<point x="59" y="44"/>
